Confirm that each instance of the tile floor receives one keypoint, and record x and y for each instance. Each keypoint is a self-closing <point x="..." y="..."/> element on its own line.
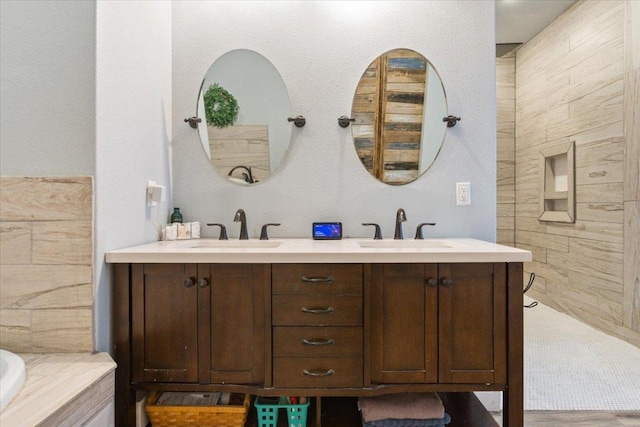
<point x="576" y="375"/>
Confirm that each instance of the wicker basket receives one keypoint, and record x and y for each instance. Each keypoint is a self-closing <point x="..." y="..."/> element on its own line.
<point x="197" y="416"/>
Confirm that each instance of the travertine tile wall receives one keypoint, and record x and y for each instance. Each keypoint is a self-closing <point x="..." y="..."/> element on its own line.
<point x="631" y="295"/>
<point x="46" y="264"/>
<point x="506" y="125"/>
<point x="578" y="80"/>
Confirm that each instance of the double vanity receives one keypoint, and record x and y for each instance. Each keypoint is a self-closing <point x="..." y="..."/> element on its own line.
<point x="353" y="317"/>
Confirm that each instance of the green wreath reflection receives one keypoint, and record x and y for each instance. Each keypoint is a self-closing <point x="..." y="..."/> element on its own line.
<point x="221" y="108"/>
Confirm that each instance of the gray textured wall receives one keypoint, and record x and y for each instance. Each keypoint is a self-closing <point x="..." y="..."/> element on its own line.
<point x="321" y="51"/>
<point x="47" y="96"/>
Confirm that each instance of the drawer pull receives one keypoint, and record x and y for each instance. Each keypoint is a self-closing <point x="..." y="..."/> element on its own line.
<point x="317" y="310"/>
<point x="328" y="373"/>
<point x="328" y="279"/>
<point x="317" y="341"/>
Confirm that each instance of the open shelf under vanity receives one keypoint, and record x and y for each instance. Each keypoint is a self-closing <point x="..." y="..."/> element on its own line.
<point x="464" y="408"/>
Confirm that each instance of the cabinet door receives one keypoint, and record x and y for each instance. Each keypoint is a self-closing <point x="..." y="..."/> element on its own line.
<point x="164" y="323"/>
<point x="231" y="310"/>
<point x="404" y="330"/>
<point x="472" y="323"/>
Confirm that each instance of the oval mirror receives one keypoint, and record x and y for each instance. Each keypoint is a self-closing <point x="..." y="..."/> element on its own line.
<point x="398" y="109"/>
<point x="244" y="105"/>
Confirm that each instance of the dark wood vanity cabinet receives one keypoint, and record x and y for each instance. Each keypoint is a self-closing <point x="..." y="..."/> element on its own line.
<point x="333" y="329"/>
<point x="438" y="323"/>
<point x="404" y="323"/>
<point x="472" y="337"/>
<point x="198" y="323"/>
<point x="164" y="323"/>
<point x="317" y="317"/>
<point x="231" y="322"/>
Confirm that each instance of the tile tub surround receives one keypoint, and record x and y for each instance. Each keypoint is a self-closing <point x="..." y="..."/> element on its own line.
<point x="46" y="264"/>
<point x="62" y="389"/>
<point x="306" y="250"/>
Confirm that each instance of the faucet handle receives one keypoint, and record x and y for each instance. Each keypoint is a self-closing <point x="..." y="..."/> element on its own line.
<point x="378" y="233"/>
<point x="223" y="231"/>
<point x="263" y="232"/>
<point x="419" y="229"/>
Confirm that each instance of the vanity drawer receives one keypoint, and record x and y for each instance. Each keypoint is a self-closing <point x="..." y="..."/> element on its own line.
<point x="317" y="372"/>
<point x="325" y="279"/>
<point x="317" y="310"/>
<point x="317" y="341"/>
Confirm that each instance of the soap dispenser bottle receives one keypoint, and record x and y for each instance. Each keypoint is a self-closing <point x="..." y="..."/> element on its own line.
<point x="176" y="216"/>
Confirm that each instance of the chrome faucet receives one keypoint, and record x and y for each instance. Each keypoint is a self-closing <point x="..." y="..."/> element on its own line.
<point x="400" y="218"/>
<point x="242" y="218"/>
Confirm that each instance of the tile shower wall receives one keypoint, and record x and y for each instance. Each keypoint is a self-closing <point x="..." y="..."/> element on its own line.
<point x="578" y="81"/>
<point x="506" y="170"/>
<point x="46" y="267"/>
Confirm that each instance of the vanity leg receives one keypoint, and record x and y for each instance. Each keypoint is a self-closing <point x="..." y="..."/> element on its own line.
<point x="125" y="396"/>
<point x="513" y="396"/>
<point x="318" y="411"/>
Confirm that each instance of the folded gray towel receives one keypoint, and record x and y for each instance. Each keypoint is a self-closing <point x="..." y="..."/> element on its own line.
<point x="409" y="423"/>
<point x="415" y="406"/>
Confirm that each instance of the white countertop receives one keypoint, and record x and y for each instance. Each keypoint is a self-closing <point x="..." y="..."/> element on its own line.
<point x="305" y="250"/>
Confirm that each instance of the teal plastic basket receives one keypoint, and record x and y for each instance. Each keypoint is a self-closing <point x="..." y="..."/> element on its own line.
<point x="297" y="415"/>
<point x="268" y="413"/>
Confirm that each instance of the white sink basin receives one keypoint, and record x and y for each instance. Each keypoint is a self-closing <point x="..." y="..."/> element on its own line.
<point x="220" y="244"/>
<point x="409" y="244"/>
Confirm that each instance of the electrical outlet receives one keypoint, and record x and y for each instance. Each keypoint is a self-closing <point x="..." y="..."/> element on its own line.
<point x="463" y="193"/>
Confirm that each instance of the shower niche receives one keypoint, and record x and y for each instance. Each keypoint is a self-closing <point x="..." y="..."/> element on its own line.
<point x="557" y="183"/>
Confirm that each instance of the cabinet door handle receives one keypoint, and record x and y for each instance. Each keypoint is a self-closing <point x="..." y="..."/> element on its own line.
<point x="328" y="279"/>
<point x="188" y="283"/>
<point x="328" y="373"/>
<point x="317" y="341"/>
<point x="203" y="283"/>
<point x="317" y="310"/>
<point x="446" y="282"/>
<point x="432" y="283"/>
